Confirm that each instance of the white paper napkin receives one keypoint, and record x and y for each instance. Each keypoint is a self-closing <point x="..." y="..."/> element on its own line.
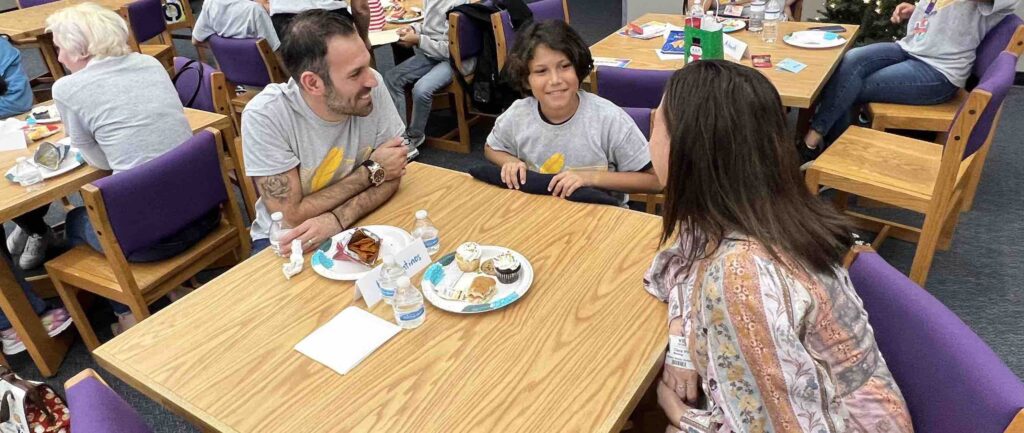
<point x="11" y="135"/>
<point x="347" y="339"/>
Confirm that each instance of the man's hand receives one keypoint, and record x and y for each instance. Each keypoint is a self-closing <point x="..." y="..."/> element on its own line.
<point x="671" y="403"/>
<point x="685" y="383"/>
<point x="513" y="174"/>
<point x="567" y="182"/>
<point x="408" y="37"/>
<point x="392" y="156"/>
<point x="902" y="13"/>
<point x="311" y="232"/>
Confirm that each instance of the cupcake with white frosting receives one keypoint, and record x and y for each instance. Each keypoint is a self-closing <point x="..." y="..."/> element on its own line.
<point x="467" y="256"/>
<point x="507" y="267"/>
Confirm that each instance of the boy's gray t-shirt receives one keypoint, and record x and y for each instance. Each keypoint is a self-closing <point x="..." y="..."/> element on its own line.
<point x="599" y="137"/>
<point x="280" y="132"/>
<point x="945" y="33"/>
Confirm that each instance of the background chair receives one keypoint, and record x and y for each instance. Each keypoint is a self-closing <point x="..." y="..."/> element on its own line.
<point x="644" y="120"/>
<point x="136" y="208"/>
<point x="916" y="175"/>
<point x="213" y="96"/>
<point x="22" y="4"/>
<point x="146" y="22"/>
<point x="630" y="87"/>
<point x="951" y="380"/>
<point x="98" y="409"/>
<point x="247" y="62"/>
<point x="1007" y="35"/>
<point x="505" y="34"/>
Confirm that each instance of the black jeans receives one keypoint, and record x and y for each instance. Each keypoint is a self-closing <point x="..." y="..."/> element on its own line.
<point x="32" y="221"/>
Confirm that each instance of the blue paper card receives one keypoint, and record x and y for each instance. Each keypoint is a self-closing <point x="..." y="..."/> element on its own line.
<point x="675" y="43"/>
<point x="790" y="65"/>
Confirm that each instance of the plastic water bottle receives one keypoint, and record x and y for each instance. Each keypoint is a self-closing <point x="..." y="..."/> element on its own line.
<point x="772" y="17"/>
<point x="390" y="273"/>
<point x="756" y="23"/>
<point x="27" y="174"/>
<point x="426" y="231"/>
<point x="277" y="230"/>
<point x="408" y="305"/>
<point x="696" y="13"/>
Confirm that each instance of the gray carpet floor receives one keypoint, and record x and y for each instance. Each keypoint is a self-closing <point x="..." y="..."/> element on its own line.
<point x="979" y="278"/>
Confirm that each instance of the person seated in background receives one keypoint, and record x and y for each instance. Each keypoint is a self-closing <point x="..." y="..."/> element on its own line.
<point x="928" y="66"/>
<point x="427" y="70"/>
<point x="120" y="110"/>
<point x="763" y="319"/>
<point x="283" y="11"/>
<point x="234" y="19"/>
<point x="55" y="320"/>
<point x="581" y="138"/>
<point x="15" y="91"/>
<point x="324" y="149"/>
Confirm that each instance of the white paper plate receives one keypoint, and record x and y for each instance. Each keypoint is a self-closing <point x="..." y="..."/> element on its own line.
<point x="393" y="240"/>
<point x="70" y="162"/>
<point x="813" y="39"/>
<point x="505" y="294"/>
<point x="54" y="114"/>
<point x="730" y="25"/>
<point x="407" y="20"/>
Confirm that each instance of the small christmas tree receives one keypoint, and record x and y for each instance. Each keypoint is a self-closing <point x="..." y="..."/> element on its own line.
<point x="871" y="15"/>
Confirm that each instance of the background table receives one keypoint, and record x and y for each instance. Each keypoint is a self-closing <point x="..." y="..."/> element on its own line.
<point x="574" y="354"/>
<point x="47" y="352"/>
<point x="797" y="90"/>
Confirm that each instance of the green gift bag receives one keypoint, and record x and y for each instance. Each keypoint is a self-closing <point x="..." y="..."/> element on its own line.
<point x="704" y="44"/>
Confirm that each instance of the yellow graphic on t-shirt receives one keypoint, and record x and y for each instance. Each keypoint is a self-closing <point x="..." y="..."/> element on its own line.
<point x="325" y="172"/>
<point x="553" y="165"/>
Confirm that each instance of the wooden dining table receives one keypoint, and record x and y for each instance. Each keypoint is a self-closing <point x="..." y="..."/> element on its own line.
<point x="575" y="353"/>
<point x="47" y="352"/>
<point x="798" y="90"/>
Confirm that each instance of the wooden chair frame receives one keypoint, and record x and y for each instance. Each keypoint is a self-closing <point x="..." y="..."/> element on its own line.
<point x="82" y="375"/>
<point x="163" y="50"/>
<point x="70" y="276"/>
<point x="651" y="201"/>
<point x="941" y="207"/>
<point x="499" y="34"/>
<point x="189" y="22"/>
<point x="222" y="105"/>
<point x="936" y="118"/>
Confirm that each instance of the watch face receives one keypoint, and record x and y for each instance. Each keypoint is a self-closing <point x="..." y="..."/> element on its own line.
<point x="377" y="176"/>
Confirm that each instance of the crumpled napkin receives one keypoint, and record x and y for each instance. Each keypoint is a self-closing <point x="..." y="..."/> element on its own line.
<point x="294" y="265"/>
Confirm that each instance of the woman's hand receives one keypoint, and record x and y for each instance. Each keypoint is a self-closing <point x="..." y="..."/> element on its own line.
<point x="513" y="173"/>
<point x="685" y="383"/>
<point x="567" y="182"/>
<point x="674" y="407"/>
<point x="902" y="13"/>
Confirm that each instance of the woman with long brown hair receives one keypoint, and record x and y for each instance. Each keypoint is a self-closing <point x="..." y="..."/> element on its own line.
<point x="767" y="333"/>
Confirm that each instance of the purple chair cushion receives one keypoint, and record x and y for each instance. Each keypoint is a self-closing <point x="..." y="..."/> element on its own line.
<point x="240" y="60"/>
<point x="146" y="19"/>
<point x="188" y="81"/>
<point x="632" y="87"/>
<point x="995" y="42"/>
<point x="642" y="117"/>
<point x="29" y="3"/>
<point x="997" y="80"/>
<point x="951" y="379"/>
<point x="97" y="409"/>
<point x="159" y="198"/>
<point x="543" y="10"/>
<point x="470" y="38"/>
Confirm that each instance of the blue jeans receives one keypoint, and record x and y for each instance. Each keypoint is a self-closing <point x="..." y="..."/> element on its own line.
<point x="80" y="232"/>
<point x="880" y="72"/>
<point x="258" y="245"/>
<point x="38" y="305"/>
<point x="429" y="76"/>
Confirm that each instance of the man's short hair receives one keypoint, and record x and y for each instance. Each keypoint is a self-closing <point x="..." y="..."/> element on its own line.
<point x="304" y="46"/>
<point x="556" y="35"/>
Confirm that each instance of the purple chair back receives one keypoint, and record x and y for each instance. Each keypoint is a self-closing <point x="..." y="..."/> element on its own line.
<point x="240" y="60"/>
<point x="997" y="81"/>
<point x="632" y="87"/>
<point x="995" y="42"/>
<point x="642" y="117"/>
<point x="189" y="81"/>
<point x="98" y="409"/>
<point x="470" y="38"/>
<point x="543" y="10"/>
<point x="146" y="19"/>
<point x="29" y="3"/>
<point x="159" y="198"/>
<point x="951" y="379"/>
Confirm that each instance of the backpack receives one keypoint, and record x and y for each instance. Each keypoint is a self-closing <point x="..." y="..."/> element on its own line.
<point x="490" y="92"/>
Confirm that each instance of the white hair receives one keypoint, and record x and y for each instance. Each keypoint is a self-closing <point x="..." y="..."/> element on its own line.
<point x="89" y="30"/>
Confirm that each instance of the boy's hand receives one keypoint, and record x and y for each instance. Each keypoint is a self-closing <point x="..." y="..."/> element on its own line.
<point x="407" y="36"/>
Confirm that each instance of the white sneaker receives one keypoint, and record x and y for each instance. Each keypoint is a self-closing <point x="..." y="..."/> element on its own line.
<point x="35" y="250"/>
<point x="16" y="241"/>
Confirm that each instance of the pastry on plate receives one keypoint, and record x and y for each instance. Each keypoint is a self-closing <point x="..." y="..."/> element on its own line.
<point x="467" y="256"/>
<point x="487" y="267"/>
<point x="507" y="267"/>
<point x="480" y="290"/>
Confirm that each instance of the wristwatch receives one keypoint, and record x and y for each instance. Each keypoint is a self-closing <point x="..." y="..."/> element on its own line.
<point x="376" y="171"/>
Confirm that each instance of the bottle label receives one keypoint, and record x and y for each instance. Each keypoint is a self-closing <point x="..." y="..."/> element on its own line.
<point x="432" y="242"/>
<point x="412" y="315"/>
<point x="387" y="293"/>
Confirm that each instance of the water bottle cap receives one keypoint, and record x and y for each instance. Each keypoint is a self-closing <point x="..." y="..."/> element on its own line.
<point x="421" y="214"/>
<point x="404" y="282"/>
<point x="389" y="260"/>
<point x="277" y="216"/>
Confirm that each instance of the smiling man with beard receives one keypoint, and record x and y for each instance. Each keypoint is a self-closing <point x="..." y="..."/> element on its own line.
<point x="325" y="147"/>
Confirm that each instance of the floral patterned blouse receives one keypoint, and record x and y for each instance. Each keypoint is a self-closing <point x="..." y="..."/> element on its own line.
<point x="777" y="350"/>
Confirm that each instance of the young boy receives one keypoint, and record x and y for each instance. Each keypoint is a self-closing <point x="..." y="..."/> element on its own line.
<point x="428" y="68"/>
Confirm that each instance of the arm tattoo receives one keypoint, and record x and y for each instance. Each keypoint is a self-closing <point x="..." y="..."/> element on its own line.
<point x="276" y="186"/>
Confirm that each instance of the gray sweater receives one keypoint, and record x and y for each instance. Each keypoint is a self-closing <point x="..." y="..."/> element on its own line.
<point x="121" y="111"/>
<point x="433" y="30"/>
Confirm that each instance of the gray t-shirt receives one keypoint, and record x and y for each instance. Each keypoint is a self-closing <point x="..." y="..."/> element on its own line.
<point x="121" y="111"/>
<point x="599" y="137"/>
<point x="235" y="19"/>
<point x="280" y="132"/>
<point x="945" y="33"/>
